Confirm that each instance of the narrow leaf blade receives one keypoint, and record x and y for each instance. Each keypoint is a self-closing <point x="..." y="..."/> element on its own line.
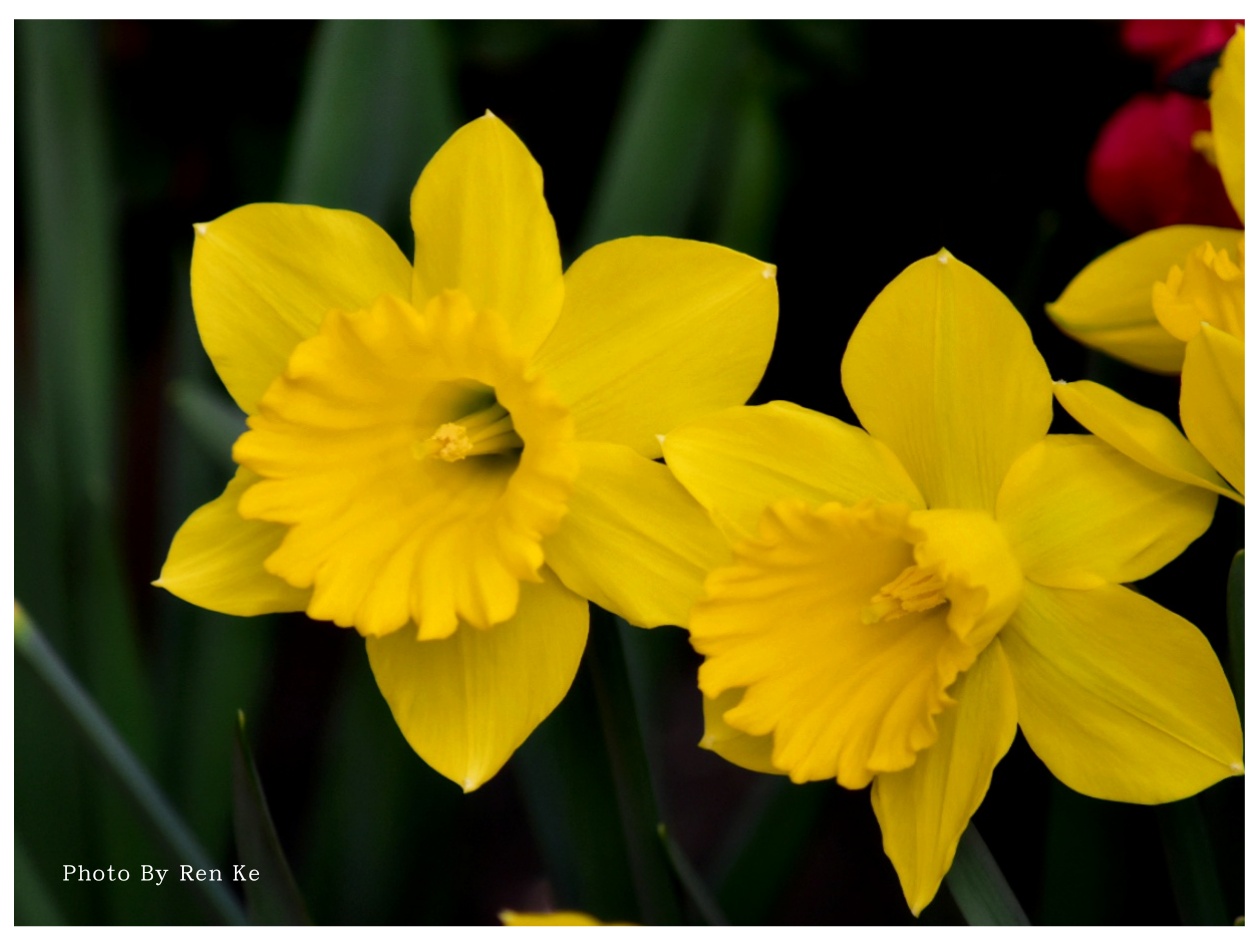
<point x="978" y="886"/>
<point x="271" y="893"/>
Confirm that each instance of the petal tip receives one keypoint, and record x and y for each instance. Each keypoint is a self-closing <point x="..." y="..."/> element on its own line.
<point x="201" y="229"/>
<point x="769" y="271"/>
<point x="943" y="257"/>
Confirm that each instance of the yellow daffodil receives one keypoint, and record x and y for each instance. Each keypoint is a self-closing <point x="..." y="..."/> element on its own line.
<point x="507" y="917"/>
<point x="902" y="597"/>
<point x="1172" y="300"/>
<point x="453" y="457"/>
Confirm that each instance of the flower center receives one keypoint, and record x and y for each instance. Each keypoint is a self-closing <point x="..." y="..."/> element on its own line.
<point x="479" y="434"/>
<point x="418" y="462"/>
<point x="913" y="591"/>
<point x="1209" y="288"/>
<point x="851" y="685"/>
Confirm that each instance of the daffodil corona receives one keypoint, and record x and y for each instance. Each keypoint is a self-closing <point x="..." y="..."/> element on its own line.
<point x="452" y="457"/>
<point x="1172" y="300"/>
<point x="902" y="597"/>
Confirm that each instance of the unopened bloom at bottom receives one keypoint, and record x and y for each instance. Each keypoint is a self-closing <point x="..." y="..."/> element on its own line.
<point x="507" y="917"/>
<point x="902" y="597"/>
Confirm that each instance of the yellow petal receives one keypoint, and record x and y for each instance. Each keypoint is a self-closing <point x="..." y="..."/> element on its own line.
<point x="216" y="559"/>
<point x="1079" y="513"/>
<point x="846" y="695"/>
<point x="467" y="702"/>
<point x="739" y="748"/>
<point x="392" y="446"/>
<point x="508" y="917"/>
<point x="1108" y="305"/>
<point x="483" y="227"/>
<point x="265" y="275"/>
<point x="634" y="541"/>
<point x="1228" y="118"/>
<point x="943" y="370"/>
<point x="924" y="810"/>
<point x="1122" y="699"/>
<point x="738" y="461"/>
<point x="656" y="332"/>
<point x="1212" y="402"/>
<point x="1144" y="435"/>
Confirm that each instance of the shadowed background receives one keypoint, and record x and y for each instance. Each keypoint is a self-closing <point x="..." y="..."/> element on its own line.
<point x="840" y="152"/>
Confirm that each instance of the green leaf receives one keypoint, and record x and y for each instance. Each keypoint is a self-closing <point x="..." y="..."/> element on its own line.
<point x="1192" y="864"/>
<point x="378" y="103"/>
<point x="588" y="788"/>
<point x="273" y="897"/>
<point x="70" y="198"/>
<point x="978" y="886"/>
<point x="675" y="103"/>
<point x="567" y="785"/>
<point x="215" y="422"/>
<point x="33" y="903"/>
<point x="1234" y="613"/>
<point x="764" y="846"/>
<point x="750" y="200"/>
<point x="119" y="761"/>
<point x="378" y="806"/>
<point x="690" y="880"/>
<point x="72" y="240"/>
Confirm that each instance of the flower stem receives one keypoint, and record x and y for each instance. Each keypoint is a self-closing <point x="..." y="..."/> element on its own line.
<point x="697" y="891"/>
<point x="636" y="800"/>
<point x="119" y="761"/>
<point x="978" y="886"/>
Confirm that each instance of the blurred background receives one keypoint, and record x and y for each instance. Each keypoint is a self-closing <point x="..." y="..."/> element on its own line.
<point x="840" y="152"/>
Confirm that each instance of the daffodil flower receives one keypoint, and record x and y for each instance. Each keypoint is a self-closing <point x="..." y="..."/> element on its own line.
<point x="1172" y="300"/>
<point x="902" y="597"/>
<point x="454" y="457"/>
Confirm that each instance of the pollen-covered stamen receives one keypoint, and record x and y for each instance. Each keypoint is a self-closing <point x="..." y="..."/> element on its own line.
<point x="913" y="591"/>
<point x="478" y="434"/>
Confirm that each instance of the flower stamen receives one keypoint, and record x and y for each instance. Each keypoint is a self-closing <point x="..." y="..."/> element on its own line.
<point x="486" y="431"/>
<point x="913" y="591"/>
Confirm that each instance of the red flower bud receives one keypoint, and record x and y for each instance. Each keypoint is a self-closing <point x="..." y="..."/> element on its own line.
<point x="1170" y="44"/>
<point x="1145" y="172"/>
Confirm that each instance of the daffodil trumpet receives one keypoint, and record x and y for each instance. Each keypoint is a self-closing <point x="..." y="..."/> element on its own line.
<point x="902" y="597"/>
<point x="453" y="455"/>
